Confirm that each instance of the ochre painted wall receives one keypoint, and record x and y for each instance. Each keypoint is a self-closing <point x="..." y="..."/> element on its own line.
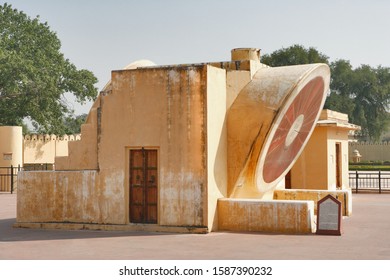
<point x="315" y="158"/>
<point x="266" y="215"/>
<point x="316" y="167"/>
<point x="337" y="135"/>
<point x="161" y="108"/>
<point x="82" y="155"/>
<point x="11" y="146"/>
<point x="68" y="196"/>
<point x="40" y="149"/>
<point x="344" y="196"/>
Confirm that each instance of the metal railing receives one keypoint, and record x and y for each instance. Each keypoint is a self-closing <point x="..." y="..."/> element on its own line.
<point x="8" y="176"/>
<point x="369" y="181"/>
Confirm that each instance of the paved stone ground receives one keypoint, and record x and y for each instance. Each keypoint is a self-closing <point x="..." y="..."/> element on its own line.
<point x="366" y="236"/>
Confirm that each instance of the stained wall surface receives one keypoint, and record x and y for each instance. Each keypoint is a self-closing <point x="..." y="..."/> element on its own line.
<point x="66" y="196"/>
<point x="344" y="196"/>
<point x="266" y="216"/>
<point x="162" y="108"/>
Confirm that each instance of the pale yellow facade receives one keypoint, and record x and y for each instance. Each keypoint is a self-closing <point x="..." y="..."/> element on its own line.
<point x="17" y="149"/>
<point x="209" y="125"/>
<point x="11" y="146"/>
<point x="323" y="165"/>
<point x="42" y="149"/>
<point x="11" y="154"/>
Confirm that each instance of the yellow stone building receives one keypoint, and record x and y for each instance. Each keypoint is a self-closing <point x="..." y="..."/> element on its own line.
<point x="191" y="148"/>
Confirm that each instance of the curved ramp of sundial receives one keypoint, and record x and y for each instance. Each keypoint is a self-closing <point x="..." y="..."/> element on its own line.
<point x="269" y="124"/>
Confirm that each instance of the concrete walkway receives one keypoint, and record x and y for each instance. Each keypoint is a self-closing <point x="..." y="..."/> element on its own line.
<point x="366" y="236"/>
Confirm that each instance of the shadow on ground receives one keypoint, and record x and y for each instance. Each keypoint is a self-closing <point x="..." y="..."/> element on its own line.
<point x="10" y="234"/>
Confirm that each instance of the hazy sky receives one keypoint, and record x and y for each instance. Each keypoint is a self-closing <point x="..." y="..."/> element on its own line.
<point x="105" y="35"/>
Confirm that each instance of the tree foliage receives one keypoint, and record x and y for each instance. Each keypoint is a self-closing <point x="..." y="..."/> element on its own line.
<point x="362" y="93"/>
<point x="294" y="55"/>
<point x="34" y="75"/>
<point x="73" y="124"/>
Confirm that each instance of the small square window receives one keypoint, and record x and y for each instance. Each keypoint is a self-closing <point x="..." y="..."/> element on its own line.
<point x="7" y="156"/>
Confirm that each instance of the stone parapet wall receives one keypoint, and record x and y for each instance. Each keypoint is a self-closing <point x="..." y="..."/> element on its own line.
<point x="370" y="151"/>
<point x="40" y="148"/>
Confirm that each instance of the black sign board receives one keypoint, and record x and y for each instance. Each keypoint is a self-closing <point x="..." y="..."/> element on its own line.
<point x="329" y="216"/>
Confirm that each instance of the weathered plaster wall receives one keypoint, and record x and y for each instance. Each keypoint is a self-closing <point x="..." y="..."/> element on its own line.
<point x="266" y="216"/>
<point x="162" y="108"/>
<point x="67" y="196"/>
<point x="165" y="109"/>
<point x="344" y="196"/>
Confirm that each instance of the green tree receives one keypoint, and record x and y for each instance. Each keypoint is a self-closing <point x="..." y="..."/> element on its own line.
<point x="34" y="75"/>
<point x="362" y="93"/>
<point x="341" y="98"/>
<point x="371" y="94"/>
<point x="73" y="124"/>
<point x="294" y="55"/>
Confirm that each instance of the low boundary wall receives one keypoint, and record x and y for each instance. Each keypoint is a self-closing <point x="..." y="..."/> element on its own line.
<point x="344" y="196"/>
<point x="370" y="151"/>
<point x="253" y="215"/>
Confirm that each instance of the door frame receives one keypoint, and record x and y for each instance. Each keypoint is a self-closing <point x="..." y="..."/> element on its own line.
<point x="339" y="165"/>
<point x="127" y="179"/>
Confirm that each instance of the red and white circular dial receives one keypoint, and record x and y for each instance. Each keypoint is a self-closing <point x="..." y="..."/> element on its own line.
<point x="290" y="132"/>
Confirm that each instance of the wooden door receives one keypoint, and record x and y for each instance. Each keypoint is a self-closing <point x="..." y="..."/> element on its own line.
<point x="143" y="186"/>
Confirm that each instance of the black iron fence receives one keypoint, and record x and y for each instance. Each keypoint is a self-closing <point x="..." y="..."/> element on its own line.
<point x="9" y="174"/>
<point x="369" y="181"/>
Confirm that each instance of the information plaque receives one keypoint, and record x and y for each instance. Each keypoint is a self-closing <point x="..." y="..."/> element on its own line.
<point x="329" y="216"/>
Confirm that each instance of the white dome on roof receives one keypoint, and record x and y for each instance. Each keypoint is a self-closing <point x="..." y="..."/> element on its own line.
<point x="140" y="63"/>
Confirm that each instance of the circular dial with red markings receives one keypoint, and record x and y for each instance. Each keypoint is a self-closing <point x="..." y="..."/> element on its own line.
<point x="295" y="125"/>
